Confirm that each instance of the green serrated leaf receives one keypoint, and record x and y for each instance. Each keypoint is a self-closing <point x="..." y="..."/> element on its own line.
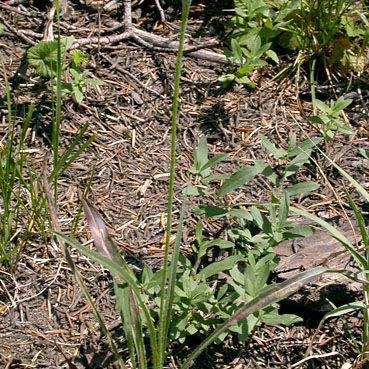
<point x="43" y="57"/>
<point x="79" y="58"/>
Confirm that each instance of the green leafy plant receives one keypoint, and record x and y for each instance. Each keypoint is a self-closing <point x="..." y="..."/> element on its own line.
<point x="44" y="58"/>
<point x="170" y="302"/>
<point x="80" y="79"/>
<point x="51" y="60"/>
<point x="247" y="58"/>
<point x="334" y="32"/>
<point x="329" y="120"/>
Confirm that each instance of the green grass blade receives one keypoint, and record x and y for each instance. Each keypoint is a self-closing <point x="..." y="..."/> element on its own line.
<point x="359" y="218"/>
<point x="67" y="158"/>
<point x="133" y="336"/>
<point x="55" y="134"/>
<point x="173" y="270"/>
<point x="95" y="311"/>
<point x="162" y="339"/>
<point x="126" y="277"/>
<point x="272" y="295"/>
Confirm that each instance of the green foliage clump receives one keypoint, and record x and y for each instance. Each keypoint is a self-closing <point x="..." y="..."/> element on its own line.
<point x="44" y="58"/>
<point x="334" y="31"/>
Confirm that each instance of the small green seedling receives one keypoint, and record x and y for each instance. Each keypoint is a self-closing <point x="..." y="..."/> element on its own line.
<point x="247" y="57"/>
<point x="330" y="120"/>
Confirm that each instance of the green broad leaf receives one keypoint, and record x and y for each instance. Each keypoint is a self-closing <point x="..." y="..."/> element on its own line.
<point x="272" y="55"/>
<point x="222" y="291"/>
<point x="304" y="147"/>
<point x="242" y="71"/>
<point x="236" y="50"/>
<point x="179" y="292"/>
<point x="210" y="211"/>
<point x="67" y="42"/>
<point x="345" y="130"/>
<point x="302" y="187"/>
<point x="321" y="106"/>
<point x="220" y="266"/>
<point x="344" y="309"/>
<point x="200" y="156"/>
<point x="266" y="170"/>
<point x="300" y="159"/>
<point x="77" y="75"/>
<point x="93" y="81"/>
<point x="43" y="57"/>
<point x="194" y="191"/>
<point x="78" y="94"/>
<point x="237" y="179"/>
<point x="191" y="329"/>
<point x="255" y="280"/>
<point x="240" y="214"/>
<point x="147" y="274"/>
<point x="215" y="177"/>
<point x="244" y="80"/>
<point x="283" y="207"/>
<point x="262" y="49"/>
<point x="198" y="231"/>
<point x="214" y="160"/>
<point x="269" y="296"/>
<point x="261" y="220"/>
<point x="226" y="78"/>
<point x="222" y="244"/>
<point x="298" y="231"/>
<point x="274" y="318"/>
<point x="237" y="276"/>
<point x="341" y="104"/>
<point x="66" y="88"/>
<point x="317" y="119"/>
<point x="279" y="153"/>
<point x="292" y="144"/>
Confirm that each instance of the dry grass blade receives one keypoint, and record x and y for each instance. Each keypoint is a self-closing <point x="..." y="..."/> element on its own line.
<point x="98" y="229"/>
<point x="78" y="277"/>
<point x="103" y="243"/>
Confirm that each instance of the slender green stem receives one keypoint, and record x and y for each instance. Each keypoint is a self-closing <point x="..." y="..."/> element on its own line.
<point x="56" y="120"/>
<point x="365" y="334"/>
<point x="312" y="84"/>
<point x="162" y="339"/>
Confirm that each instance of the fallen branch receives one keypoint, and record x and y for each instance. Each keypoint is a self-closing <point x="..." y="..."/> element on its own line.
<point x="156" y="43"/>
